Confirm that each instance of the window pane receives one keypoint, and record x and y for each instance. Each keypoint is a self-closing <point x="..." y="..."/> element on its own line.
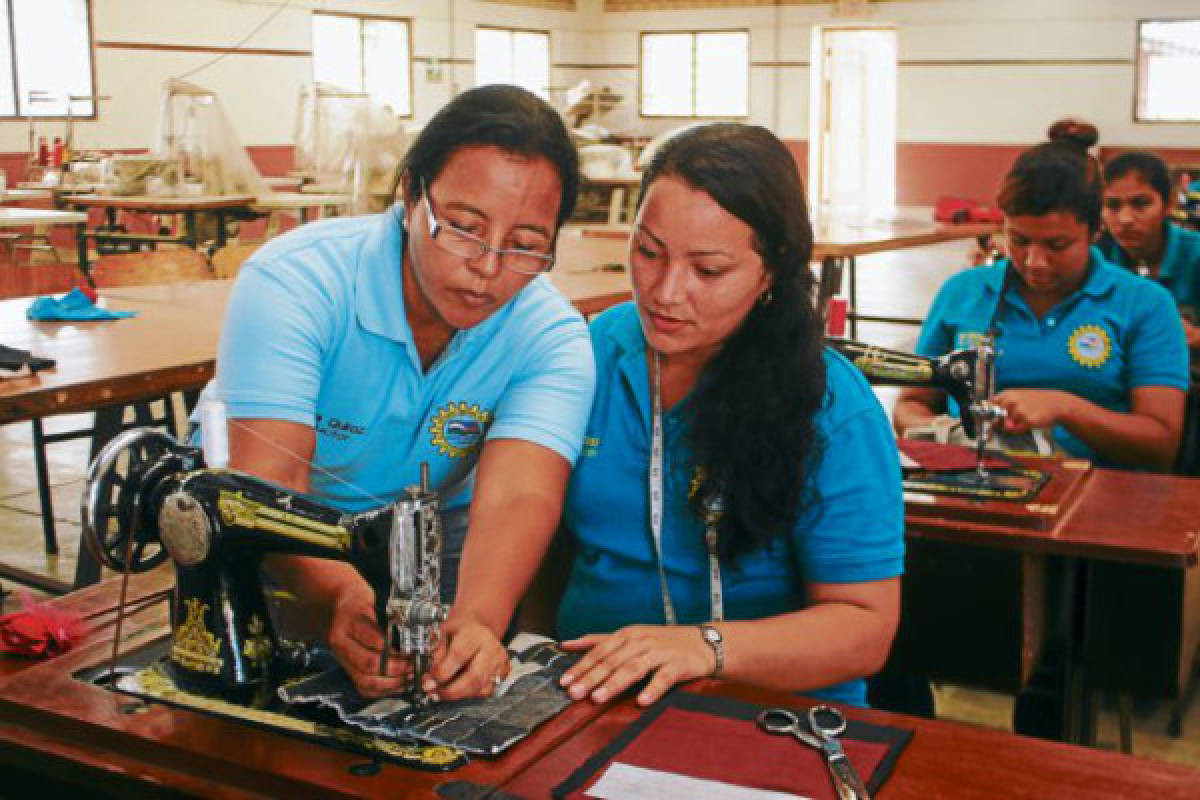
<point x="54" y="55"/>
<point x="667" y="74"/>
<point x="531" y="61"/>
<point x="493" y="56"/>
<point x="386" y="64"/>
<point x="337" y="52"/>
<point x="722" y="74"/>
<point x="1169" y="61"/>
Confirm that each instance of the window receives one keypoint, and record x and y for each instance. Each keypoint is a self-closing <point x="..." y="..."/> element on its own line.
<point x="512" y="56"/>
<point x="365" y="54"/>
<point x="705" y="74"/>
<point x="1168" y="61"/>
<point x="45" y="58"/>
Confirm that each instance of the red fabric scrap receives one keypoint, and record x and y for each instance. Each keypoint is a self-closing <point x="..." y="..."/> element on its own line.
<point x="40" y="630"/>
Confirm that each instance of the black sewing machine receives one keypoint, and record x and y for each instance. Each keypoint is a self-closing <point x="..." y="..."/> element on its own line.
<point x="968" y="376"/>
<point x="147" y="498"/>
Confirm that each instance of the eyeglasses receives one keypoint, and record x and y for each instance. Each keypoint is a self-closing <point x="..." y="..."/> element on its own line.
<point x="458" y="242"/>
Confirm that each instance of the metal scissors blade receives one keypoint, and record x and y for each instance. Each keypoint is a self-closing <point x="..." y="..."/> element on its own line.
<point x="827" y="724"/>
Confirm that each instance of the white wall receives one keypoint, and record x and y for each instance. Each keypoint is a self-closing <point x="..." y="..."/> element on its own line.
<point x="1001" y="103"/>
<point x="998" y="103"/>
<point x="260" y="92"/>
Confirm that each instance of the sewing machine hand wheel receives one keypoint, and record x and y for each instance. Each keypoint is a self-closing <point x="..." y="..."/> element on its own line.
<point x="111" y="501"/>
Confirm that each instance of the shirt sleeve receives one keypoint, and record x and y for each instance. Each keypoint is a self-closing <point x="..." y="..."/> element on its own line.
<point x="269" y="362"/>
<point x="1158" y="353"/>
<point x="550" y="397"/>
<point x="856" y="531"/>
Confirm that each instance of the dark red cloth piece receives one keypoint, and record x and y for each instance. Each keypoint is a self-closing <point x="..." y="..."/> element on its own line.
<point x="738" y="752"/>
<point x="933" y="456"/>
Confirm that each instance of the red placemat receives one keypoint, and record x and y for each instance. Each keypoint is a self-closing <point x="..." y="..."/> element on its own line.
<point x="718" y="739"/>
<point x="935" y="457"/>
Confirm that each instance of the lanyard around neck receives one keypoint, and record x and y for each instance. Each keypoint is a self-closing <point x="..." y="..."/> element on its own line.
<point x="716" y="596"/>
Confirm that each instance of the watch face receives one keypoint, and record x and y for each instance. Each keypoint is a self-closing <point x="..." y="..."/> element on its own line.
<point x="712" y="634"/>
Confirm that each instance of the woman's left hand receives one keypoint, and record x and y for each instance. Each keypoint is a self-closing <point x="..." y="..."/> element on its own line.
<point x="1033" y="408"/>
<point x="615" y="661"/>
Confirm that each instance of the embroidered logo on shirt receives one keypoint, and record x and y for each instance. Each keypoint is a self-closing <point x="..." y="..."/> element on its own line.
<point x="338" y="429"/>
<point x="458" y="428"/>
<point x="591" y="446"/>
<point x="967" y="341"/>
<point x="1089" y="345"/>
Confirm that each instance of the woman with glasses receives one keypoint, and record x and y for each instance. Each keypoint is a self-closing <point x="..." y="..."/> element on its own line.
<point x="356" y="349"/>
<point x="737" y="508"/>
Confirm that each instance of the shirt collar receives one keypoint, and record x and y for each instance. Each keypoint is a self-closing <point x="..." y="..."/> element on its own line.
<point x="627" y="335"/>
<point x="379" y="281"/>
<point x="1099" y="280"/>
<point x="1166" y="267"/>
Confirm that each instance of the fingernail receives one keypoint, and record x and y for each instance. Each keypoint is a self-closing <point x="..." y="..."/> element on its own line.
<point x="435" y="698"/>
<point x="577" y="692"/>
<point x="643" y="700"/>
<point x="566" y="679"/>
<point x="600" y="695"/>
<point x="429" y="685"/>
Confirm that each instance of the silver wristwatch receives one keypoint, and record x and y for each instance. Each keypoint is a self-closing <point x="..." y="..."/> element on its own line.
<point x="713" y="638"/>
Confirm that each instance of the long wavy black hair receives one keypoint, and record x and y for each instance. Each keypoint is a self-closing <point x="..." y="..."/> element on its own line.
<point x="751" y="415"/>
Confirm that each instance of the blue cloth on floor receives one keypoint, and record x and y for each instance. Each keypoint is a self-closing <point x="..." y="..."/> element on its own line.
<point x="74" y="305"/>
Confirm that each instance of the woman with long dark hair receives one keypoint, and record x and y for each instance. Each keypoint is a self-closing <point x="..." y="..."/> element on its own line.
<point x="737" y="509"/>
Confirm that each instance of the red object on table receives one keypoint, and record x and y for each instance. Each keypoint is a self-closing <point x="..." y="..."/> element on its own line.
<point x="39" y="630"/>
<point x="835" y="318"/>
<point x="962" y="209"/>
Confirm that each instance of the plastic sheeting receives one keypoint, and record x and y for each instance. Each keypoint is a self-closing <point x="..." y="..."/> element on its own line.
<point x="346" y="143"/>
<point x="195" y="135"/>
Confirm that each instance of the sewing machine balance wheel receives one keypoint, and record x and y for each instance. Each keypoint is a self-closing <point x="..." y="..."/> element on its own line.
<point x="111" y="502"/>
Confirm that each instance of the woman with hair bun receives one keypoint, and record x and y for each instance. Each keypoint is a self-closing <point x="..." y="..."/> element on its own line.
<point x="1085" y="348"/>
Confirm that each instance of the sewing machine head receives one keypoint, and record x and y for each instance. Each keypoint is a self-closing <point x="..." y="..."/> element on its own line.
<point x="148" y="498"/>
<point x="967" y="375"/>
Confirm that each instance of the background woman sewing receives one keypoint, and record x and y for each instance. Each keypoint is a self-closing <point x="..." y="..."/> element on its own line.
<point x="718" y="409"/>
<point x="1139" y="235"/>
<point x="1085" y="348"/>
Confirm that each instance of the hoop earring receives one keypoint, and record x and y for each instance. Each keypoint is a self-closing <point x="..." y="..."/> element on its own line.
<point x="766" y="297"/>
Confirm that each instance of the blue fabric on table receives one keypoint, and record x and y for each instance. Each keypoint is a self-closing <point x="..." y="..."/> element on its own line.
<point x="74" y="305"/>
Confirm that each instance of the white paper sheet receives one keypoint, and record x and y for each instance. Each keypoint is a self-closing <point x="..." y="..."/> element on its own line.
<point x="627" y="782"/>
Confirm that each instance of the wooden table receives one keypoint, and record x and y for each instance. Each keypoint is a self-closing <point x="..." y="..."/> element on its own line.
<point x="64" y="735"/>
<point x="838" y="241"/>
<point x="190" y="207"/>
<point x="621" y="190"/>
<point x="303" y="202"/>
<point x="40" y="219"/>
<point x="171" y="346"/>
<point x="985" y="579"/>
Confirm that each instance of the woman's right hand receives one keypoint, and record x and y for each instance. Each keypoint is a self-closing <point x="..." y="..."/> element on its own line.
<point x="356" y="641"/>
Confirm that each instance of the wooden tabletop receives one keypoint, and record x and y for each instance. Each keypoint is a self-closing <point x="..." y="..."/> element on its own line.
<point x="21" y="217"/>
<point x="942" y="760"/>
<point x="75" y="732"/>
<point x="154" y="203"/>
<point x="285" y="201"/>
<point x="1118" y="515"/>
<point x="171" y="344"/>
<point x="21" y="195"/>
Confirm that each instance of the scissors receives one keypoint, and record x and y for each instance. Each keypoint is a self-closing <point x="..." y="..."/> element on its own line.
<point x="825" y="724"/>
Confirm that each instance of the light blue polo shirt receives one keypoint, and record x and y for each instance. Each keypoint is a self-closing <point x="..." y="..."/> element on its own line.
<point x="1180" y="267"/>
<point x="854" y="534"/>
<point x="316" y="333"/>
<point x="1116" y="333"/>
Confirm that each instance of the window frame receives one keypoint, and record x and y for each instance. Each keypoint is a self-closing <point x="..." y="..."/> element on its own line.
<point x="1137" y="75"/>
<point x="17" y="101"/>
<point x="507" y="29"/>
<point x="694" y="33"/>
<point x="361" y="17"/>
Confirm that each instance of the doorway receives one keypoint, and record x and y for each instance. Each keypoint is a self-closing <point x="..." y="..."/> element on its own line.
<point x="853" y="126"/>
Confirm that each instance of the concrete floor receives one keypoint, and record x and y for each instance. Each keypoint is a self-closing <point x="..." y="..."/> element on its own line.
<point x="900" y="284"/>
